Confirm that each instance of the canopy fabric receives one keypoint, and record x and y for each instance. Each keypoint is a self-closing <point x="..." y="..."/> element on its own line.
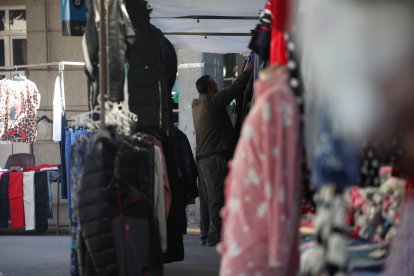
<point x="208" y="35"/>
<point x="162" y="8"/>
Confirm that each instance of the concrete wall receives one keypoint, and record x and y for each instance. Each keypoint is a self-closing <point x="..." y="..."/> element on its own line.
<point x="12" y="2"/>
<point x="45" y="43"/>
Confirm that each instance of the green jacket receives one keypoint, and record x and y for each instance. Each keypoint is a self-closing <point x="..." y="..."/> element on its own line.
<point x="213" y="128"/>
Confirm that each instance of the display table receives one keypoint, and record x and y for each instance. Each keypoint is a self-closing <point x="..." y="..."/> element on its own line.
<point x="26" y="197"/>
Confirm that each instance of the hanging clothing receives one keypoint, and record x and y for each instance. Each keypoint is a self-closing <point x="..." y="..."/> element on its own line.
<point x="16" y="199"/>
<point x="280" y="10"/>
<point x="63" y="158"/>
<point x="4" y="200"/>
<point x="121" y="35"/>
<point x="41" y="201"/>
<point x="68" y="143"/>
<point x="335" y="161"/>
<point x="58" y="108"/>
<point x="19" y="101"/>
<point x="278" y="51"/>
<point x="260" y="42"/>
<point x="182" y="177"/>
<point x="29" y="200"/>
<point x="80" y="149"/>
<point x="116" y="193"/>
<point x="152" y="72"/>
<point x="167" y="189"/>
<point x="160" y="210"/>
<point x="188" y="168"/>
<point x="52" y="177"/>
<point x="262" y="188"/>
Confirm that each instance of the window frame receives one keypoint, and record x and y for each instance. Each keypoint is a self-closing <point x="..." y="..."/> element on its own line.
<point x="8" y="36"/>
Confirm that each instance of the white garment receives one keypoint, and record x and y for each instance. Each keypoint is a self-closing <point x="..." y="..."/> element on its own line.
<point x="58" y="108"/>
<point x="159" y="198"/>
<point x="29" y="200"/>
<point x="49" y="169"/>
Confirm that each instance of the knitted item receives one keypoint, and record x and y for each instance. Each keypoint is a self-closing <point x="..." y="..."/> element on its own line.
<point x="329" y="256"/>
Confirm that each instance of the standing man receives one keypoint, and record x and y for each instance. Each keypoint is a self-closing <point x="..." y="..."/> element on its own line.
<point x="215" y="145"/>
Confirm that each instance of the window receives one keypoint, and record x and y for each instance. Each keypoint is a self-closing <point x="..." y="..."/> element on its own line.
<point x="13" y="40"/>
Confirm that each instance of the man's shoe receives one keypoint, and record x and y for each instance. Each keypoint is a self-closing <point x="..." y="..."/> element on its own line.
<point x="203" y="242"/>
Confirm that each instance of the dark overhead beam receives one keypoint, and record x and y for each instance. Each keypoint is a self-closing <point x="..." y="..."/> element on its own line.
<point x="211" y="17"/>
<point x="207" y="34"/>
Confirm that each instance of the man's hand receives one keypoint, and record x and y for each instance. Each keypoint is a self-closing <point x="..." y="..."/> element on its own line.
<point x="249" y="68"/>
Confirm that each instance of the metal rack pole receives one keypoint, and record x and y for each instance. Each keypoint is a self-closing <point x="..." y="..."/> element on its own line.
<point x="103" y="77"/>
<point x="58" y="209"/>
<point x="45" y="66"/>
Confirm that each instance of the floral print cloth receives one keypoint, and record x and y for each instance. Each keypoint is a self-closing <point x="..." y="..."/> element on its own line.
<point x="261" y="212"/>
<point x="19" y="101"/>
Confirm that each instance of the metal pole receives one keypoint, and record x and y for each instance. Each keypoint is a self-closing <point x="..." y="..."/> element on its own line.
<point x="103" y="78"/>
<point x="43" y="66"/>
<point x="58" y="208"/>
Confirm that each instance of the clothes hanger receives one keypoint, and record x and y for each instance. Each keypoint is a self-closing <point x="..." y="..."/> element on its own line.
<point x="115" y="115"/>
<point x="86" y="119"/>
<point x="123" y="119"/>
<point x="16" y="76"/>
<point x="44" y="118"/>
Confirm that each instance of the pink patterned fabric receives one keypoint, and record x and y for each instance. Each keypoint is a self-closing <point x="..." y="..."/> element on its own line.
<point x="261" y="212"/>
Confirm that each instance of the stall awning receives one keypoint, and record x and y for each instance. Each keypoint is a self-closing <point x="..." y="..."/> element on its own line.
<point x="210" y="26"/>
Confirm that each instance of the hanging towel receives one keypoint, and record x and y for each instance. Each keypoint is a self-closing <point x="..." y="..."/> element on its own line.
<point x="16" y="199"/>
<point x="29" y="200"/>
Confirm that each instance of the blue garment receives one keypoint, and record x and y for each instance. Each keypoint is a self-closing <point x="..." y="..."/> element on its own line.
<point x="52" y="176"/>
<point x="63" y="169"/>
<point x="80" y="149"/>
<point x="335" y="161"/>
<point x="68" y="142"/>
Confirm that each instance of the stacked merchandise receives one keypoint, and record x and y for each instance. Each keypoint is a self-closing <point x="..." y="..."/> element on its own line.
<point x="26" y="197"/>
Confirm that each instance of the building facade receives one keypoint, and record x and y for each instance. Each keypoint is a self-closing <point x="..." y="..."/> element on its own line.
<point x="37" y="38"/>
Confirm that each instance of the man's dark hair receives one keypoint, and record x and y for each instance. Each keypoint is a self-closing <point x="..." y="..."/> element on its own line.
<point x="202" y="84"/>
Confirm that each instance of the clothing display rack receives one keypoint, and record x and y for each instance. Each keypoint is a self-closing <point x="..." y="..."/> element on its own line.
<point x="103" y="65"/>
<point x="59" y="66"/>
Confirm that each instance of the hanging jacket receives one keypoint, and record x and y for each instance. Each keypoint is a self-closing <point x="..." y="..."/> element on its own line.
<point x="187" y="165"/>
<point x="135" y="231"/>
<point x="152" y="72"/>
<point x="118" y="233"/>
<point x="170" y="62"/>
<point x="96" y="246"/>
<point x="182" y="176"/>
<point x="261" y="36"/>
<point x="120" y="35"/>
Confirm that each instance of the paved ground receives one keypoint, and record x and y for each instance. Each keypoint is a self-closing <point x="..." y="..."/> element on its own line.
<point x="49" y="256"/>
<point x="199" y="260"/>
